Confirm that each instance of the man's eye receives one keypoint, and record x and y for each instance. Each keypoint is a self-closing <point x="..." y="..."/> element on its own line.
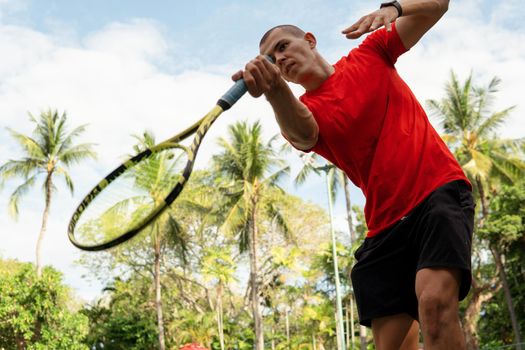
<point x="283" y="46"/>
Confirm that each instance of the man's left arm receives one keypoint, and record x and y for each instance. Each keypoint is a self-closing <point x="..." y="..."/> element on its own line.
<point x="418" y="16"/>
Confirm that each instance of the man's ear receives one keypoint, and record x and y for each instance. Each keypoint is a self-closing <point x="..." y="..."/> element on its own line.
<point x="312" y="41"/>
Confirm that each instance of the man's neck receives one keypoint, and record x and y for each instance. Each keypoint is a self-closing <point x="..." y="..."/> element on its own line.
<point x="323" y="71"/>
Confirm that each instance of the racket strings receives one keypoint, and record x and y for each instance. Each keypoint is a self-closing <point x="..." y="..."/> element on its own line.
<point x="131" y="197"/>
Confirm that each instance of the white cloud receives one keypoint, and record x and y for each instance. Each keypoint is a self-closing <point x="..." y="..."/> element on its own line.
<point x="139" y="39"/>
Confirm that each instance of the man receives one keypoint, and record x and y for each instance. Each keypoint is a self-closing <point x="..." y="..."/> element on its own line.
<point x="414" y="265"/>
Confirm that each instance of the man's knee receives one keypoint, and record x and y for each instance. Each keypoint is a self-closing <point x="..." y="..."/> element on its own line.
<point x="437" y="292"/>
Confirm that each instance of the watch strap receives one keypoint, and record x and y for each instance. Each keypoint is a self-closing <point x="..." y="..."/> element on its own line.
<point x="395" y="4"/>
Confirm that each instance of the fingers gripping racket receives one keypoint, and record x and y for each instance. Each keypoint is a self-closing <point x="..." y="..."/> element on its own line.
<point x="138" y="191"/>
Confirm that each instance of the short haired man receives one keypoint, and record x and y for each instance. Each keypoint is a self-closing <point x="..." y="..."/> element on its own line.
<point x="414" y="265"/>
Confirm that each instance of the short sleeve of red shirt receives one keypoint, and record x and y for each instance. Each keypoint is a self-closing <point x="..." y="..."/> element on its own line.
<point x="373" y="128"/>
<point x="386" y="44"/>
<point x="380" y="44"/>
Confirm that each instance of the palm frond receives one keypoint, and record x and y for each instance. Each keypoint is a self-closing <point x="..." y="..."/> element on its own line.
<point x="67" y="178"/>
<point x="493" y="122"/>
<point x="310" y="162"/>
<point x="21" y="168"/>
<point x="18" y="193"/>
<point x="30" y="146"/>
<point x="274" y="178"/>
<point x="279" y="219"/>
<point x="480" y="165"/>
<point x="77" y="154"/>
<point x="176" y="236"/>
<point x="66" y="141"/>
<point x="235" y="218"/>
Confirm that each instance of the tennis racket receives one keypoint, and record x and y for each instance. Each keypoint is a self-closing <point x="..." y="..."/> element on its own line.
<point x="140" y="189"/>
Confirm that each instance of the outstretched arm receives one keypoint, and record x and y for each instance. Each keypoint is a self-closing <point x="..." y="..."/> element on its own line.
<point x="295" y="120"/>
<point x="418" y="17"/>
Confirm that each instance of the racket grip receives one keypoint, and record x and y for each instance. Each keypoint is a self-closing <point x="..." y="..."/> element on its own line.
<point x="235" y="92"/>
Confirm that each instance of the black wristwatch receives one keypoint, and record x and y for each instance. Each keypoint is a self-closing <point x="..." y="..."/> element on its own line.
<point x="394" y="3"/>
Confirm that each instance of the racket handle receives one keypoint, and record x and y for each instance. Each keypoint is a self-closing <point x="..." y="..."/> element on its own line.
<point x="235" y="92"/>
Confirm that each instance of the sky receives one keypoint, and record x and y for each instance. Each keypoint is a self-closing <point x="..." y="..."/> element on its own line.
<point x="123" y="67"/>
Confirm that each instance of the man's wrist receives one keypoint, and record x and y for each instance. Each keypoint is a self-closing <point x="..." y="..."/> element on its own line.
<point x="278" y="90"/>
<point x="395" y="4"/>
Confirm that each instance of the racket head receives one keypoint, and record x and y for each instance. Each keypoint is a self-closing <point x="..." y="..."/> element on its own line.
<point x="130" y="197"/>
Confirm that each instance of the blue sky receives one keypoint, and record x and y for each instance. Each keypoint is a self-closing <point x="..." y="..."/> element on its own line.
<point x="126" y="66"/>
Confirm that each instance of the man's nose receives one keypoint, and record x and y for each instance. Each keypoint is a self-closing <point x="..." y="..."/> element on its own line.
<point x="279" y="58"/>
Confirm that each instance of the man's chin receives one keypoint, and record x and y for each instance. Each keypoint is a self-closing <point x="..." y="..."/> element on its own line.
<point x="291" y="79"/>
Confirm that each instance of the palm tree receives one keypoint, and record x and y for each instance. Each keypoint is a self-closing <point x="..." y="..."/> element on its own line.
<point x="218" y="264"/>
<point x="49" y="151"/>
<point x="469" y="127"/>
<point x="149" y="182"/>
<point x="249" y="168"/>
<point x="165" y="231"/>
<point x="336" y="180"/>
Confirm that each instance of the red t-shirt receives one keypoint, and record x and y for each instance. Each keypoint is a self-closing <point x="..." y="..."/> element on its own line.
<point x="372" y="127"/>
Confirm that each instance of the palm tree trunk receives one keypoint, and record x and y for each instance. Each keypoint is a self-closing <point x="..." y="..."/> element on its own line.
<point x="220" y="317"/>
<point x="287" y="323"/>
<point x="501" y="268"/>
<point x="508" y="296"/>
<point x="362" y="329"/>
<point x="158" y="299"/>
<point x="478" y="296"/>
<point x="273" y="337"/>
<point x="43" y="227"/>
<point x="362" y="336"/>
<point x="347" y="322"/>
<point x="352" y="321"/>
<point x="257" y="317"/>
<point x="320" y="343"/>
<point x="348" y="208"/>
<point x="338" y="332"/>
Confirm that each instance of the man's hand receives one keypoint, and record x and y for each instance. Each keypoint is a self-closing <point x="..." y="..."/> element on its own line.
<point x="294" y="118"/>
<point x="260" y="75"/>
<point x="372" y="21"/>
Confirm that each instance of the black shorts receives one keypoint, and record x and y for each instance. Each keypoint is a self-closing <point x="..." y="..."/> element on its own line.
<point x="436" y="233"/>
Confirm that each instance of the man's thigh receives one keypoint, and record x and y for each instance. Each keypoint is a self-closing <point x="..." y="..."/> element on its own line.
<point x="396" y="332"/>
<point x="384" y="277"/>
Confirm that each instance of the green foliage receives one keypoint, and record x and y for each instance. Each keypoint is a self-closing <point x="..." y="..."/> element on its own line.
<point x="246" y="168"/>
<point x="35" y="312"/>
<point x="506" y="223"/>
<point x="505" y="227"/>
<point x="126" y="321"/>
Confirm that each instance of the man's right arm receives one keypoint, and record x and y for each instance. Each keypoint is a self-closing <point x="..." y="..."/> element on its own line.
<point x="295" y="120"/>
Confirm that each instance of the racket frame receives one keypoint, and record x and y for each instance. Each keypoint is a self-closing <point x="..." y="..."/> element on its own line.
<point x="199" y="129"/>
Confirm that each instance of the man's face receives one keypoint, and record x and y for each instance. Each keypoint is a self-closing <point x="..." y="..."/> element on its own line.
<point x="292" y="55"/>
